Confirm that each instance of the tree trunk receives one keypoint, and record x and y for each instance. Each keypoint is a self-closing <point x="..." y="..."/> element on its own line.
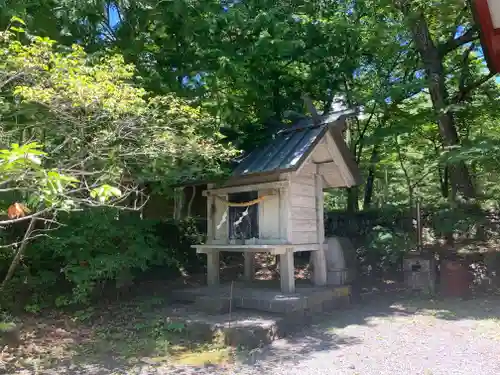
<point x="370" y="181"/>
<point x="20" y="252"/>
<point x="433" y="63"/>
<point x="190" y="204"/>
<point x="443" y="181"/>
<point x="352" y="199"/>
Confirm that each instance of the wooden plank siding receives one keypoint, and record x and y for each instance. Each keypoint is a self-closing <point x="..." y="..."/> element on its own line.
<point x="303" y="205"/>
<point x="221" y="221"/>
<point x="269" y="217"/>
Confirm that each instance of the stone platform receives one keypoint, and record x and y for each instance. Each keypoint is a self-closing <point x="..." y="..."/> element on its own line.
<point x="242" y="328"/>
<point x="264" y="296"/>
<point x="258" y="312"/>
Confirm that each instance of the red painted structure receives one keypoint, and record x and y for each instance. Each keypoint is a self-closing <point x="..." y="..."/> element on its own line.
<point x="456" y="279"/>
<point x="490" y="36"/>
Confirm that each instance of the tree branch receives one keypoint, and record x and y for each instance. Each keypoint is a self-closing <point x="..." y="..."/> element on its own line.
<point x="190" y="204"/>
<point x="405" y="171"/>
<point x="462" y="94"/>
<point x="454" y="43"/>
<point x="24" y="218"/>
<point x="365" y="127"/>
<point x="19" y="253"/>
<point x="310" y="106"/>
<point x="362" y="133"/>
<point x="328" y="104"/>
<point x="465" y="66"/>
<point x="15" y="244"/>
<point x="11" y="79"/>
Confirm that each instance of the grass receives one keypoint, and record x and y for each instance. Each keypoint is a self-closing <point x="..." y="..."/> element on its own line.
<point x="126" y="334"/>
<point x="213" y="357"/>
<point x="4" y="327"/>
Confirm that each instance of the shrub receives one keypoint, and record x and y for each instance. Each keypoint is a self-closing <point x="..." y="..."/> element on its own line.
<point x="178" y="237"/>
<point x="383" y="250"/>
<point x="101" y="248"/>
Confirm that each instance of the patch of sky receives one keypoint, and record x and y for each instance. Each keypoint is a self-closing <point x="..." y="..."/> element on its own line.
<point x="113" y="15"/>
<point x="402" y="41"/>
<point x="350" y="5"/>
<point x="195" y="81"/>
<point x="227" y="4"/>
<point x="459" y="31"/>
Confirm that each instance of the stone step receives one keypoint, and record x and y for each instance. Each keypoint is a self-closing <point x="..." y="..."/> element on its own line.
<point x="254" y="316"/>
<point x="218" y="300"/>
<point x="243" y="329"/>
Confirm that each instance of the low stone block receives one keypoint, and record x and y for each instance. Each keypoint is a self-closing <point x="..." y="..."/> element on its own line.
<point x="237" y="302"/>
<point x="245" y="337"/>
<point x="213" y="305"/>
<point x="199" y="332"/>
<point x="183" y="295"/>
<point x="343" y="291"/>
<point x="277" y="307"/>
<point x="250" y="303"/>
<point x="10" y="335"/>
<point x="344" y="302"/>
<point x="294" y="321"/>
<point x="264" y="305"/>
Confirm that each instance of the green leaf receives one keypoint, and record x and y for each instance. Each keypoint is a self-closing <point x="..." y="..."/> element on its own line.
<point x="105" y="192"/>
<point x="17" y="29"/>
<point x="176" y="326"/>
<point x="18" y="20"/>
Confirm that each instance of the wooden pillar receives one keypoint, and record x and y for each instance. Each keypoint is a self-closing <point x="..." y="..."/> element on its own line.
<point x="249" y="265"/>
<point x="318" y="257"/>
<point x="213" y="263"/>
<point x="287" y="269"/>
<point x="319" y="267"/>
<point x="213" y="267"/>
<point x="210" y="216"/>
<point x="287" y="272"/>
<point x="285" y="214"/>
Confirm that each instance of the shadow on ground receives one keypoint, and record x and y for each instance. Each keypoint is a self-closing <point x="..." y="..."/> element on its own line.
<point x="324" y="334"/>
<point x="298" y="347"/>
<point x="133" y="336"/>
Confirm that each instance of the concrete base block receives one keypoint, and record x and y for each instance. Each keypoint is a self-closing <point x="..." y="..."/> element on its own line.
<point x="258" y="315"/>
<point x="255" y="297"/>
<point x="212" y="305"/>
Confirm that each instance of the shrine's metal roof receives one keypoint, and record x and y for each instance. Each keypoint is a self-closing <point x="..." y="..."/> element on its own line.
<point x="288" y="149"/>
<point x="285" y="151"/>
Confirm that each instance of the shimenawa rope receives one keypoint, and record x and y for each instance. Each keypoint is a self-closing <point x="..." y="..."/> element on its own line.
<point x="242" y="204"/>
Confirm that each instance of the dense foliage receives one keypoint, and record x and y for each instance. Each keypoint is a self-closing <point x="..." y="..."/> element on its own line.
<point x="103" y="259"/>
<point x="116" y="93"/>
<point x="82" y="134"/>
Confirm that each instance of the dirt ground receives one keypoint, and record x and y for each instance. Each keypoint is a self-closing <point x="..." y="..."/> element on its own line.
<point x="386" y="335"/>
<point x="141" y="330"/>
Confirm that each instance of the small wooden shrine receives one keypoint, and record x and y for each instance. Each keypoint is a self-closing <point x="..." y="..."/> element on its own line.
<point x="273" y="201"/>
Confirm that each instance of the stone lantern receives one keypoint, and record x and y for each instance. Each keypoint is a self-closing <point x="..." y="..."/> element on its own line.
<point x="419" y="265"/>
<point x="420" y="271"/>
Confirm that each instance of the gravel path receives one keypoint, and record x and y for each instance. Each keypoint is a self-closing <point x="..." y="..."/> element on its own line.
<point x="393" y="338"/>
<point x="401" y="342"/>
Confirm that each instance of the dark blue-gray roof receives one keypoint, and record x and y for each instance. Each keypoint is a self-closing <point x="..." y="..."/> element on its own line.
<point x="287" y="149"/>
